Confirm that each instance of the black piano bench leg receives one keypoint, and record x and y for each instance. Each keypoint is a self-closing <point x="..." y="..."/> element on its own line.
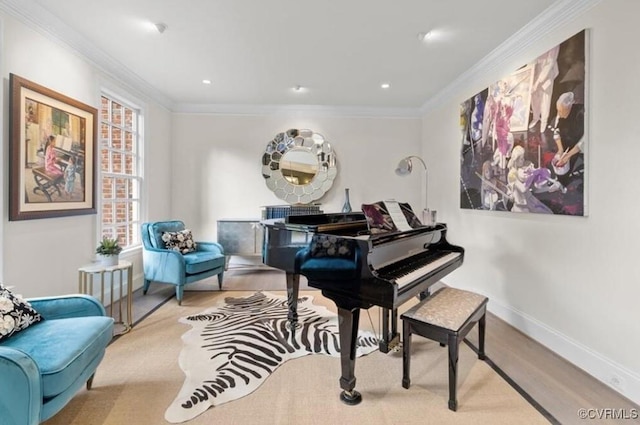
<point x="481" y="328"/>
<point x="406" y="354"/>
<point x="454" y="344"/>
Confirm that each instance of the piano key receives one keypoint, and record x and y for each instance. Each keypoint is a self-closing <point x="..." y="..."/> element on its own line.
<point x="426" y="269"/>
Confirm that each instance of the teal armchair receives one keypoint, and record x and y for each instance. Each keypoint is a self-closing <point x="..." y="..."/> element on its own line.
<point x="44" y="366"/>
<point x="164" y="265"/>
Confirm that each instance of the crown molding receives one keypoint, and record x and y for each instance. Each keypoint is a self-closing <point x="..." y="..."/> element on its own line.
<point x="352" y="111"/>
<point x="555" y="16"/>
<point x="39" y="19"/>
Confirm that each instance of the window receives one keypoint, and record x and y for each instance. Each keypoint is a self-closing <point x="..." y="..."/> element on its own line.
<point x="120" y="171"/>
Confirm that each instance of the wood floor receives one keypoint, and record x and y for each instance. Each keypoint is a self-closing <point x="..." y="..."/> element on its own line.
<point x="555" y="386"/>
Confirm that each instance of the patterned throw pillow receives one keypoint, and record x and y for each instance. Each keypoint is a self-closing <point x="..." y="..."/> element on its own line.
<point x="331" y="246"/>
<point x="16" y="314"/>
<point x="181" y="241"/>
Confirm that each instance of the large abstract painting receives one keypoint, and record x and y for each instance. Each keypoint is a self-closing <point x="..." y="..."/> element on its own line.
<point x="524" y="137"/>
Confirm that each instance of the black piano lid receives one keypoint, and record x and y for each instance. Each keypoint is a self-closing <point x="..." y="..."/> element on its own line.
<point x="317" y="223"/>
<point x="381" y="238"/>
<point x="325" y="218"/>
<point x="345" y="223"/>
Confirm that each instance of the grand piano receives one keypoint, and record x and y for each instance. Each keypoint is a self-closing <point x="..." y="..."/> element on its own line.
<point x="358" y="267"/>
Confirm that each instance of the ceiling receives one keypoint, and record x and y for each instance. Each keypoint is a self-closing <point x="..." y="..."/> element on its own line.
<point x="255" y="52"/>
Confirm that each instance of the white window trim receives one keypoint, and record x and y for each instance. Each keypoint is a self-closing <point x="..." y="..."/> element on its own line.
<point x="133" y="103"/>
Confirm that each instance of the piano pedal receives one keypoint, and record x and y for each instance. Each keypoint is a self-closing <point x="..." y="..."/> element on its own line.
<point x="391" y="346"/>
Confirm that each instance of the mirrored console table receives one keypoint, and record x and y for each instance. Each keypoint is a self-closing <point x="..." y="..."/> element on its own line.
<point x="242" y="237"/>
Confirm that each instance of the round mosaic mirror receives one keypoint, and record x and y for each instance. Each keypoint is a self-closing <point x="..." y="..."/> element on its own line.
<point x="299" y="166"/>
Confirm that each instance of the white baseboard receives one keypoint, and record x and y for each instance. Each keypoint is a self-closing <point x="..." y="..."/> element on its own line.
<point x="605" y="370"/>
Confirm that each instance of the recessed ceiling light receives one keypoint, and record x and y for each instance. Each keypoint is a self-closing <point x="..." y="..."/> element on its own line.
<point x="206" y="81"/>
<point x="425" y="36"/>
<point x="385" y="85"/>
<point x="161" y="27"/>
<point x="299" y="88"/>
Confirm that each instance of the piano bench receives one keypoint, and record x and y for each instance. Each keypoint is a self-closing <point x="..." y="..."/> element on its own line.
<point x="47" y="183"/>
<point x="446" y="316"/>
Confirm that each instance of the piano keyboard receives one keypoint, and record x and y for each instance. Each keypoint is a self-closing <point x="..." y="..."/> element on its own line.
<point x="413" y="275"/>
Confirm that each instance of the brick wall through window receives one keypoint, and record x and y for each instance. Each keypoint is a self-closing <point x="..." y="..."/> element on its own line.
<point x="120" y="170"/>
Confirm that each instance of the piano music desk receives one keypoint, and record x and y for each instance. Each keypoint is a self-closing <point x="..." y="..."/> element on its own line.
<point x="446" y="316"/>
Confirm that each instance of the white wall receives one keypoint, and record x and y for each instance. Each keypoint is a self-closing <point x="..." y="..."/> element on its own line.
<point x="570" y="282"/>
<point x="217" y="163"/>
<point x="41" y="257"/>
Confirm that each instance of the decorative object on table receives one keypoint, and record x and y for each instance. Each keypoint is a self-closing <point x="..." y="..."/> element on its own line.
<point x="299" y="166"/>
<point x="284" y="211"/>
<point x="346" y="207"/>
<point x="515" y="155"/>
<point x="213" y="356"/>
<point x="108" y="250"/>
<point x="404" y="168"/>
<point x="54" y="175"/>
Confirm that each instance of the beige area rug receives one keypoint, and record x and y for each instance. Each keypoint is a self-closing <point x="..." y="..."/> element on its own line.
<point x="140" y="377"/>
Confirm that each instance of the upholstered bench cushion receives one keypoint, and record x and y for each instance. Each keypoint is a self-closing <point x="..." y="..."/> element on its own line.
<point x="448" y="308"/>
<point x="62" y="348"/>
<point x="202" y="261"/>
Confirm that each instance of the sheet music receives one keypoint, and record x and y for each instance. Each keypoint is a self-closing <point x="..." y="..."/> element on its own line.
<point x="67" y="143"/>
<point x="397" y="215"/>
<point x="64" y="143"/>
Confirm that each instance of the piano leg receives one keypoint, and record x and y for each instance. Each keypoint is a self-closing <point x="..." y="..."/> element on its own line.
<point x="293" y="285"/>
<point x="348" y="320"/>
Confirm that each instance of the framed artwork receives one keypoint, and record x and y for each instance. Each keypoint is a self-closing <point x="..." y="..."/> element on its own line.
<point x="52" y="145"/>
<point x="524" y="139"/>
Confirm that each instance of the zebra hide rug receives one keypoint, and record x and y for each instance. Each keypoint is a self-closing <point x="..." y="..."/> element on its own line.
<point x="232" y="348"/>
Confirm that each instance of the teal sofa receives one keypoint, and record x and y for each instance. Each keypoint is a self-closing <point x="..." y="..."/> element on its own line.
<point x="44" y="366"/>
<point x="164" y="265"/>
